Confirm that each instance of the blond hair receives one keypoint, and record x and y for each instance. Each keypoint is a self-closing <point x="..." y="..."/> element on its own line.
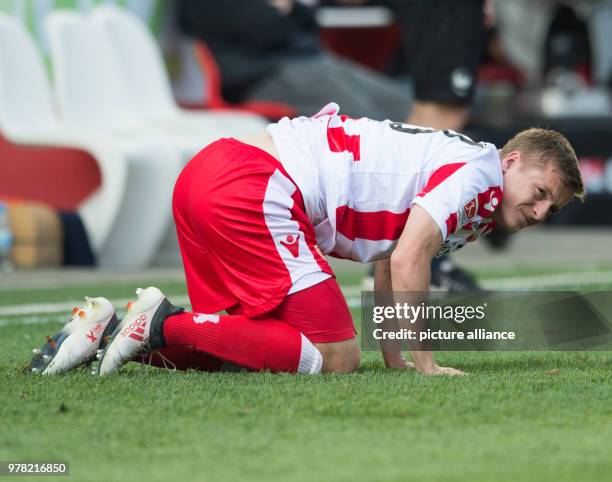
<point x="545" y="145"/>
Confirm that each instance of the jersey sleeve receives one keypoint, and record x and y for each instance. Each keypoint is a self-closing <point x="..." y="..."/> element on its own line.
<point x="453" y="195"/>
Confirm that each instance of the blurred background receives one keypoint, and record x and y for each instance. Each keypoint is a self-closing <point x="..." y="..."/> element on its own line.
<point x="102" y="103"/>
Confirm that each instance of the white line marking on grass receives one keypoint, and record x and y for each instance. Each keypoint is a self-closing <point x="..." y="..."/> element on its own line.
<point x="64" y="306"/>
<point x="548" y="281"/>
<point x="560" y="280"/>
<point x="352" y="293"/>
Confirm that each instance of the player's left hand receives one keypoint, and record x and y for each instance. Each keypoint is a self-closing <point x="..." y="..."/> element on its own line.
<point x="438" y="370"/>
<point x="397" y="361"/>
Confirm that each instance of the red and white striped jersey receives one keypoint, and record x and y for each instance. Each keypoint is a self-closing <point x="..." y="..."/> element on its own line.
<point x="359" y="179"/>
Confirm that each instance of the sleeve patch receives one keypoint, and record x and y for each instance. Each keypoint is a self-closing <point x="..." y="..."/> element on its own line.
<point x="489" y="201"/>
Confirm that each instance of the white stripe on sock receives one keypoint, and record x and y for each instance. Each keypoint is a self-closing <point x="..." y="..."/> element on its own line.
<point x="311" y="359"/>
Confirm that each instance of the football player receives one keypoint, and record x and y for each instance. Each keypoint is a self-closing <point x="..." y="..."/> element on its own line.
<point x="255" y="219"/>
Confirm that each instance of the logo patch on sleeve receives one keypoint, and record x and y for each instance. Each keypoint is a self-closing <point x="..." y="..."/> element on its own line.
<point x="470" y="208"/>
<point x="468" y="212"/>
<point x="489" y="201"/>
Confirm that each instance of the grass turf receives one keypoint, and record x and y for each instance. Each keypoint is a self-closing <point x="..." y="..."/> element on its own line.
<point x="518" y="416"/>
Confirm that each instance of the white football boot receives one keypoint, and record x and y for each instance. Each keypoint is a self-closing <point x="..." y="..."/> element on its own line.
<point x="77" y="343"/>
<point x="140" y="330"/>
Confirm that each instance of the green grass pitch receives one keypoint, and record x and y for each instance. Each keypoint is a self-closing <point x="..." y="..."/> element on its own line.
<point x="517" y="416"/>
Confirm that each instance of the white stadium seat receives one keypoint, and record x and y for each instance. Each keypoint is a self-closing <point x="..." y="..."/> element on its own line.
<point x="28" y="117"/>
<point x="141" y="64"/>
<point x="92" y="98"/>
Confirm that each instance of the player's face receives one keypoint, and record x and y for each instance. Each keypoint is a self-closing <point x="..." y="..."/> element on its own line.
<point x="531" y="193"/>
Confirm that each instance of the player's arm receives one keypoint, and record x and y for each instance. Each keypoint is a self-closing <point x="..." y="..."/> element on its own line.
<point x="410" y="265"/>
<point x="391" y="349"/>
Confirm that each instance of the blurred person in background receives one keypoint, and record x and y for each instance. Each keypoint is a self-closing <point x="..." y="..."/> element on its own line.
<point x="573" y="35"/>
<point x="270" y="50"/>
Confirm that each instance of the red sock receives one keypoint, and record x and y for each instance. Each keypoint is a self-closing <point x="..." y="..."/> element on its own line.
<point x="258" y="344"/>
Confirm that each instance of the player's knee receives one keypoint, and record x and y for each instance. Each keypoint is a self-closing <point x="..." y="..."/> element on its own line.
<point x="341" y="357"/>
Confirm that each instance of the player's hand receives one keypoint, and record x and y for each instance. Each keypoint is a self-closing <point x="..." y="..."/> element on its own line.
<point x="437" y="370"/>
<point x="397" y="361"/>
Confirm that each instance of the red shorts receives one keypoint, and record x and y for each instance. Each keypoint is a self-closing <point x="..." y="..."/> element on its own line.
<point x="319" y="312"/>
<point x="244" y="235"/>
